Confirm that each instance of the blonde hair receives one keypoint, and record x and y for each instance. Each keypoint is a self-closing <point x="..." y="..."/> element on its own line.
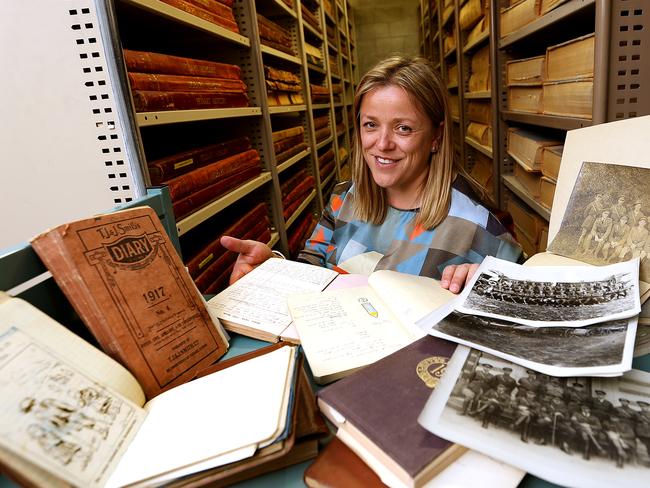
<point x="418" y="77"/>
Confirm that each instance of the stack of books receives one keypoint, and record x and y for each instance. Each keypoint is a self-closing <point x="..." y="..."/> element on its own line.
<point x="274" y="35"/>
<point x="530" y="228"/>
<point x="319" y="94"/>
<point x="479" y="115"/>
<point x="300" y="231"/>
<point x="310" y="17"/>
<point x="326" y="164"/>
<point x="322" y="128"/>
<point x="288" y="142"/>
<point x="283" y="87"/>
<point x="217" y="12"/>
<point x="164" y="82"/>
<point x="294" y="191"/>
<point x="314" y="55"/>
<point x="481" y="27"/>
<point x="209" y="263"/>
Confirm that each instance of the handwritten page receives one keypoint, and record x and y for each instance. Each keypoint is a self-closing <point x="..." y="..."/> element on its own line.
<point x="259" y="299"/>
<point x="345" y="329"/>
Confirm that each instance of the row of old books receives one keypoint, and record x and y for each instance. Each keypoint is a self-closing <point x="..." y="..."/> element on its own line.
<point x="299" y="232"/>
<point x="310" y="17"/>
<point x="520" y="13"/>
<point x="288" y="142"/>
<point x="217" y="12"/>
<point x="200" y="175"/>
<point x="294" y="191"/>
<point x="475" y="18"/>
<point x="87" y="415"/>
<point x="283" y="87"/>
<point x="326" y="164"/>
<point x="557" y="83"/>
<point x="538" y="157"/>
<point x="481" y="172"/>
<point x="322" y="128"/>
<point x="164" y="82"/>
<point x="319" y="94"/>
<point x="479" y="111"/>
<point x="274" y="35"/>
<point x="531" y="230"/>
<point x="314" y="55"/>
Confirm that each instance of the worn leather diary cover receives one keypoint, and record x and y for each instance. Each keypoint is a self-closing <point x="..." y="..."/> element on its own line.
<point x="381" y="404"/>
<point x="127" y="283"/>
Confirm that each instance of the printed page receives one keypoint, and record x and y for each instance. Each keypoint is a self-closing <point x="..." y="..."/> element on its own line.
<point x="20" y="314"/>
<point x="210" y="421"/>
<point x="259" y="299"/>
<point x="409" y="297"/>
<point x="345" y="329"/>
<point x="57" y="417"/>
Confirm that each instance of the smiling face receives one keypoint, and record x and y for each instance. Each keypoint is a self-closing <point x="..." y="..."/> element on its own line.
<point x="396" y="140"/>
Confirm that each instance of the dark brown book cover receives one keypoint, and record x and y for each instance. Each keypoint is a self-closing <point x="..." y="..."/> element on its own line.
<point x="320" y="122"/>
<point x="326" y="170"/>
<point x="322" y="134"/>
<point x="285" y="133"/>
<point x="290" y="183"/>
<point x="150" y="101"/>
<point x="384" y="400"/>
<point x="271" y="31"/>
<point x="199" y="261"/>
<point x="285" y="48"/>
<point x="298" y="193"/>
<point x="196" y="200"/>
<point x="337" y="466"/>
<point x="227" y="22"/>
<point x="275" y="74"/>
<point x="310" y="17"/>
<point x="162" y="82"/>
<point x="148" y="62"/>
<point x="326" y="157"/>
<point x="288" y="143"/>
<point x="284" y="155"/>
<point x="124" y="278"/>
<point x="300" y="233"/>
<point x="221" y="8"/>
<point x="193" y="181"/>
<point x="177" y="164"/>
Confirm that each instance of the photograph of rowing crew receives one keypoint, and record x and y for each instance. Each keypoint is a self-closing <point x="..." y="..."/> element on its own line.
<point x="547" y="296"/>
<point x="603" y="421"/>
<point x="601" y="226"/>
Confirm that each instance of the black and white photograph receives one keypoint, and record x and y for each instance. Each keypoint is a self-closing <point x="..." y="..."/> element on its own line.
<point x="594" y="350"/>
<point x="606" y="219"/>
<point x="579" y="431"/>
<point x="552" y="296"/>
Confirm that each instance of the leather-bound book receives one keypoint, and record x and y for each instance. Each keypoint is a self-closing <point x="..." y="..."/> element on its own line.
<point x="287" y="143"/>
<point x="300" y="233"/>
<point x="285" y="133"/>
<point x="378" y="407"/>
<point x="178" y="164"/>
<point x="193" y="202"/>
<point x="148" y="62"/>
<point x="295" y="198"/>
<point x="320" y="122"/>
<point x="337" y="466"/>
<point x="151" y="101"/>
<point x="193" y="181"/>
<point x="292" y="151"/>
<point x="127" y="283"/>
<point x="198" y="262"/>
<point x="227" y="21"/>
<point x="310" y="17"/>
<point x="322" y="134"/>
<point x="287" y="186"/>
<point x="162" y="82"/>
<point x="223" y="8"/>
<point x="271" y="73"/>
<point x="285" y="48"/>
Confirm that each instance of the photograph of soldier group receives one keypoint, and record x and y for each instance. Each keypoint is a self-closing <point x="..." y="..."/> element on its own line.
<point x="560" y="413"/>
<point x="606" y="219"/>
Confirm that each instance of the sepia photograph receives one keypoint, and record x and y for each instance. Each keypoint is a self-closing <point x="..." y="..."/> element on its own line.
<point x="584" y="432"/>
<point x="606" y="219"/>
<point x="594" y="350"/>
<point x="552" y="296"/>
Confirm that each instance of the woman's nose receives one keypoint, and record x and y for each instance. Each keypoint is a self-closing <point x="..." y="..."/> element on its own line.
<point x="385" y="140"/>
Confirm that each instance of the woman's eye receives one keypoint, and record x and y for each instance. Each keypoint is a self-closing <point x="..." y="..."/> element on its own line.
<point x="369" y="125"/>
<point x="404" y="129"/>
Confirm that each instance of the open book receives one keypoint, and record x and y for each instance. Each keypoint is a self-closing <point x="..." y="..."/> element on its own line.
<point x="70" y="414"/>
<point x="344" y="329"/>
<point x="256" y="305"/>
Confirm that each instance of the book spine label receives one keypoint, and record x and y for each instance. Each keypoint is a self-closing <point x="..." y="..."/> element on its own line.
<point x="149" y="101"/>
<point x="147" y="62"/>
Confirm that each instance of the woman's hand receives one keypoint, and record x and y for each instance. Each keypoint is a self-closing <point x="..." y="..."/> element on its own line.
<point x="251" y="255"/>
<point x="455" y="276"/>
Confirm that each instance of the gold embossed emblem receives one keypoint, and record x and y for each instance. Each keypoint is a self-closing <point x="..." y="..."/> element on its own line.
<point x="430" y="370"/>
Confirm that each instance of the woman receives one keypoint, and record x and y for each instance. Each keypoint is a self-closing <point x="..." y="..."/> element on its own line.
<point x="402" y="210"/>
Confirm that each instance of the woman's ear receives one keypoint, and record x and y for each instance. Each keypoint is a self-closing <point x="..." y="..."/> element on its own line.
<point x="435" y="145"/>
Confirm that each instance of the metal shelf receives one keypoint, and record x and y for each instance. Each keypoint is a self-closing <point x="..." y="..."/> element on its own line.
<point x="327" y="180"/>
<point x="479" y="147"/>
<point x="286" y="109"/>
<point x="513" y="185"/>
<point x="145" y="119"/>
<point x="478" y="41"/>
<point x="478" y="94"/>
<point x="201" y="215"/>
<point x="279" y="54"/>
<point x="292" y="160"/>
<point x="311" y="30"/>
<point x="551" y="121"/>
<point x="173" y="13"/>
<point x="285" y="7"/>
<point x="275" y="237"/>
<point x="299" y="210"/>
<point x="325" y="142"/>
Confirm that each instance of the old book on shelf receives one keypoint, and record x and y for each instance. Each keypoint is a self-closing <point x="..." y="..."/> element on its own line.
<point x="380" y="424"/>
<point x="338" y="466"/>
<point x="218" y="14"/>
<point x="548" y="5"/>
<point x="123" y="277"/>
<point x="551" y="160"/>
<point x="470" y="13"/>
<point x="371" y="321"/>
<point x="546" y="191"/>
<point x="526" y="220"/>
<point x="479" y="111"/>
<point x="286" y="133"/>
<point x="517" y="16"/>
<point x="148" y="62"/>
<point x="571" y="60"/>
<point x="529" y="71"/>
<point x="480" y="79"/>
<point x="525" y="99"/>
<point x="162" y="82"/>
<point x="527" y="243"/>
<point x="74" y="416"/>
<point x="526" y="147"/>
<point x="480" y="29"/>
<point x="454" y="105"/>
<point x="256" y="305"/>
<point x="150" y="101"/>
<point x="481" y="133"/>
<point x="528" y="179"/>
<point x="570" y="98"/>
<point x="452" y="75"/>
<point x="482" y="171"/>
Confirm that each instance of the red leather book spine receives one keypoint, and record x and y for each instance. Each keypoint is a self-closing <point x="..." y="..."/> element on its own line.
<point x="227" y="22"/>
<point x="326" y="157"/>
<point x="161" y="82"/>
<point x="198" y="263"/>
<point x="285" y="144"/>
<point x="149" y="101"/>
<point x="277" y="45"/>
<point x="148" y="62"/>
<point x="192" y="182"/>
<point x="296" y="196"/>
<point x="322" y="134"/>
<point x="320" y="122"/>
<point x="283" y="156"/>
<point x="326" y="170"/>
<point x="290" y="184"/>
<point x="218" y="8"/>
<point x="285" y="133"/>
<point x="188" y="204"/>
<point x="299" y="235"/>
<point x="169" y="167"/>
